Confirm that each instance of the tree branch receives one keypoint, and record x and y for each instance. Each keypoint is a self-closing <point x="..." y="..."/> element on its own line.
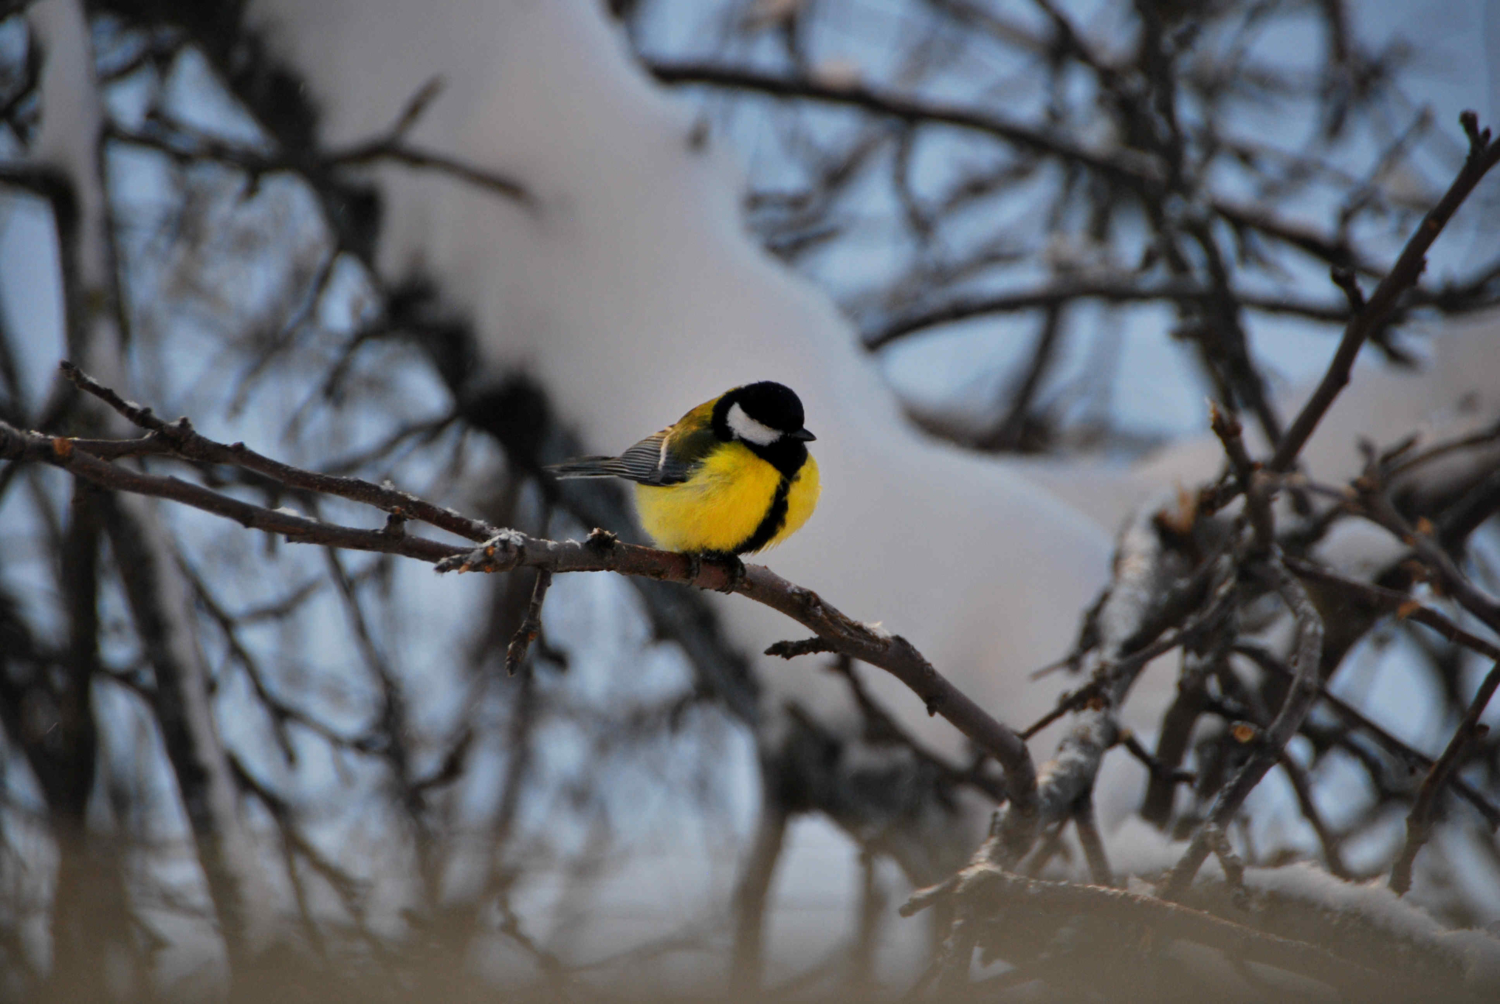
<point x="1118" y="290"/>
<point x="186" y="442"/>
<point x="1483" y="154"/>
<point x="1412" y="758"/>
<point x="1133" y="171"/>
<point x="1299" y="700"/>
<point x="1419" y="821"/>
<point x="508" y="549"/>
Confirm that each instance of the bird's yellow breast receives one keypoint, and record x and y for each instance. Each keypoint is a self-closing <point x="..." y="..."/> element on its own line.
<point x="800" y="501"/>
<point x="723" y="504"/>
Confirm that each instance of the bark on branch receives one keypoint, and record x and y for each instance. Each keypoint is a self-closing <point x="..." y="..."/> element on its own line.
<point x="1300" y="698"/>
<point x="504" y="550"/>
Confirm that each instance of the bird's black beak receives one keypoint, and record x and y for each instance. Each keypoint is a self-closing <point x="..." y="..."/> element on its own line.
<point x="803" y="435"/>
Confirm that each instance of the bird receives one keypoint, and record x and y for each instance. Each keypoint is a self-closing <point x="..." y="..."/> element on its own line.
<point x="732" y="476"/>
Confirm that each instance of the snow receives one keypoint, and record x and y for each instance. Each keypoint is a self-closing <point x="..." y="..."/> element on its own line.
<point x="632" y="293"/>
<point x="680" y="305"/>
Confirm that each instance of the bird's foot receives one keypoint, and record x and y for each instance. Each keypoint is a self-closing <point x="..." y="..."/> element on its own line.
<point x="733" y="567"/>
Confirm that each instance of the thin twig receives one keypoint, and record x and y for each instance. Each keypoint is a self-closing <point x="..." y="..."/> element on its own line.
<point x="1332" y="854"/>
<point x="1483" y="155"/>
<point x="1405" y="606"/>
<point x="1374" y="504"/>
<point x="1171" y="775"/>
<point x="280" y="711"/>
<point x="1123" y="289"/>
<point x="392" y="147"/>
<point x="400" y="152"/>
<point x="1419" y="821"/>
<point x="417" y="105"/>
<point x="880" y="725"/>
<point x="1234" y="868"/>
<point x="1412" y="757"/>
<point x="1300" y="697"/>
<point x="187" y="442"/>
<point x="59" y="452"/>
<point x="1133" y="172"/>
<point x="873" y="645"/>
<point x="1226" y="425"/>
<point x="531" y="624"/>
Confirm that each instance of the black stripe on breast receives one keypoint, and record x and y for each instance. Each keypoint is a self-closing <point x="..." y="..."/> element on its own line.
<point x="772" y="522"/>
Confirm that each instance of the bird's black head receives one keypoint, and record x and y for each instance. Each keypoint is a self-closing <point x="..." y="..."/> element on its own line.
<point x="766" y="417"/>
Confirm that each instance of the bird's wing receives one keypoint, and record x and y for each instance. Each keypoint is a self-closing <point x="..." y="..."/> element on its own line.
<point x="667" y="458"/>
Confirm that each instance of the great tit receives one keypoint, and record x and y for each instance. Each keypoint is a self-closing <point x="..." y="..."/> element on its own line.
<point x="731" y="476"/>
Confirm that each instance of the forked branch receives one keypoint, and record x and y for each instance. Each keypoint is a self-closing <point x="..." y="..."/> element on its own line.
<point x="1484" y="152"/>
<point x="504" y="550"/>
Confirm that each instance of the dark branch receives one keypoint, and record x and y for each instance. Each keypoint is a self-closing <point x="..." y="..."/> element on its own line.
<point x="1124" y="289"/>
<point x="531" y="624"/>
<point x="1413" y="758"/>
<point x="185" y="441"/>
<point x="1226" y="425"/>
<point x="505" y="550"/>
<point x="1300" y="697"/>
<point x="1170" y="775"/>
<point x="892" y="653"/>
<point x="1403" y="276"/>
<point x="1131" y="171"/>
<point x="1419" y="821"/>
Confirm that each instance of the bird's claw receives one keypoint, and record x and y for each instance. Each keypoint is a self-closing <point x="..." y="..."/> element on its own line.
<point x="734" y="568"/>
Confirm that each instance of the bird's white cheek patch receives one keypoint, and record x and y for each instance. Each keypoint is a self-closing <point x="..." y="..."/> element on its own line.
<point x="749" y="429"/>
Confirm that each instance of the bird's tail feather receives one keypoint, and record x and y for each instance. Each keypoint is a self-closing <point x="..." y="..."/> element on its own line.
<point x="584" y="467"/>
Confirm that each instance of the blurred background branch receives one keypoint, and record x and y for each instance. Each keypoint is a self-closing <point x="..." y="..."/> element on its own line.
<point x="232" y="765"/>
